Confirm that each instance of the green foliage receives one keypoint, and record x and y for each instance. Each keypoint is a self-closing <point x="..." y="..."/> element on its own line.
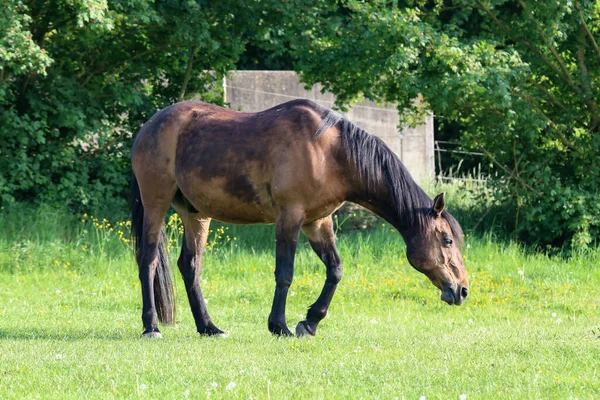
<point x="521" y="77"/>
<point x="77" y="79"/>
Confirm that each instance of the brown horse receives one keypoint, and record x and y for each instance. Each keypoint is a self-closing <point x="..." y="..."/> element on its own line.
<point x="292" y="165"/>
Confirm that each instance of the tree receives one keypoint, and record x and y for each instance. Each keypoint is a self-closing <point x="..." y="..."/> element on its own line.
<point x="521" y="77"/>
<point x="77" y="78"/>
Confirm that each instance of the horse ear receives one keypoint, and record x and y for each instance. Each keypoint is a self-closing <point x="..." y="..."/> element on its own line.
<point x="439" y="204"/>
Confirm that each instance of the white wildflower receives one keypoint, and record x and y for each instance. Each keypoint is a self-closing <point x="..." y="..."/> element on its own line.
<point x="143" y="387"/>
<point x="553" y="315"/>
<point x="59" y="356"/>
<point x="463" y="397"/>
<point x="230" y="385"/>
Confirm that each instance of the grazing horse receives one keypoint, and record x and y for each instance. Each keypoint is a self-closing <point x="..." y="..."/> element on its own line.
<point x="292" y="165"/>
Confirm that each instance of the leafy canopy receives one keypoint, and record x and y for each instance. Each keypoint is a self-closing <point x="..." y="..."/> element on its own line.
<point x="521" y="77"/>
<point x="78" y="77"/>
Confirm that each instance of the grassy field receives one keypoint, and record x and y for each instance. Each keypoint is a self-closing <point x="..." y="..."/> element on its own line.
<point x="70" y="322"/>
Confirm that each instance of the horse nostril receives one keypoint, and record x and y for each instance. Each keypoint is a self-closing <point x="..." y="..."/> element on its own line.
<point x="464" y="292"/>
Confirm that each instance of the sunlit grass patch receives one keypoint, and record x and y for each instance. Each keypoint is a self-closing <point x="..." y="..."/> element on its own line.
<point x="70" y="322"/>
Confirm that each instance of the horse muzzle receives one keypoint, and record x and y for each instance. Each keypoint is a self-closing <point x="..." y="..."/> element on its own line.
<point x="454" y="294"/>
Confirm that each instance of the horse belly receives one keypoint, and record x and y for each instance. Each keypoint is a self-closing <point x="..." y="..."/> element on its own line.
<point x="234" y="214"/>
<point x="236" y="199"/>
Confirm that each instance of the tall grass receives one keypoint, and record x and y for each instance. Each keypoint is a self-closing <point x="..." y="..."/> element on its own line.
<point x="70" y="309"/>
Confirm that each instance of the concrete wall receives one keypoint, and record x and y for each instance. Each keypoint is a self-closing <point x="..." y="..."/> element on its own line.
<point x="258" y="90"/>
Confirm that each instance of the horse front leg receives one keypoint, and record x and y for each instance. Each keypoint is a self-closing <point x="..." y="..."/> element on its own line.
<point x="322" y="239"/>
<point x="287" y="229"/>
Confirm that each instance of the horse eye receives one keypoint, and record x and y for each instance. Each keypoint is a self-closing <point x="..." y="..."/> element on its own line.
<point x="447" y="241"/>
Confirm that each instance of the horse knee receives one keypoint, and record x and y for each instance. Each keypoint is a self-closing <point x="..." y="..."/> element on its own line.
<point x="146" y="254"/>
<point x="189" y="266"/>
<point x="182" y="262"/>
<point x="334" y="274"/>
<point x="283" y="282"/>
<point x="284" y="277"/>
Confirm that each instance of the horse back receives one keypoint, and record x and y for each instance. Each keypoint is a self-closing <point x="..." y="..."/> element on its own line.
<point x="243" y="167"/>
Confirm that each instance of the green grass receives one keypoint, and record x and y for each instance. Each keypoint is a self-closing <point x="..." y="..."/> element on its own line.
<point x="70" y="324"/>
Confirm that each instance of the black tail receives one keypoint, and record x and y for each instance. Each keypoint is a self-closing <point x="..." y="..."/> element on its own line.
<point x="164" y="298"/>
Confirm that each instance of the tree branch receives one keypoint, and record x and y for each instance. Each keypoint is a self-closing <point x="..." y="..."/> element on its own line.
<point x="587" y="30"/>
<point x="507" y="170"/>
<point x="589" y="100"/>
<point x="125" y="62"/>
<point x="188" y="73"/>
<point x="120" y="136"/>
<point x="2" y="71"/>
<point x="566" y="142"/>
<point x="551" y="96"/>
<point x="61" y="23"/>
<point x="530" y="46"/>
<point x="440" y="10"/>
<point x="562" y="72"/>
<point x="565" y="71"/>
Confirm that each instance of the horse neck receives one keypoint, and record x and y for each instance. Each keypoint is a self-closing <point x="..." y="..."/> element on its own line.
<point x="379" y="181"/>
<point x="379" y="200"/>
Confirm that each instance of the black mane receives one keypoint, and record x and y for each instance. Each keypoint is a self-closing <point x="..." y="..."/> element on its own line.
<point x="376" y="163"/>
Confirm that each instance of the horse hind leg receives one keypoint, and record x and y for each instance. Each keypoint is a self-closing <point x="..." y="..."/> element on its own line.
<point x="150" y="201"/>
<point x="190" y="263"/>
<point x="322" y="239"/>
<point x="157" y="291"/>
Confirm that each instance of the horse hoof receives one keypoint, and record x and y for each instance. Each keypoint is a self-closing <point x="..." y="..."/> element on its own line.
<point x="302" y="330"/>
<point x="152" y="335"/>
<point x="279" y="330"/>
<point x="213" y="331"/>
